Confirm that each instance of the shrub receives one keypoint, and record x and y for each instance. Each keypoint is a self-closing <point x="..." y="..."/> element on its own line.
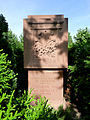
<point x="7" y="112"/>
<point x="40" y="111"/>
<point x="7" y="76"/>
<point x="21" y="108"/>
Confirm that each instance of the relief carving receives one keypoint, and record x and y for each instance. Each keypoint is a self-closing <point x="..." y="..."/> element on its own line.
<point x="43" y="50"/>
<point x="44" y="45"/>
<point x="45" y="41"/>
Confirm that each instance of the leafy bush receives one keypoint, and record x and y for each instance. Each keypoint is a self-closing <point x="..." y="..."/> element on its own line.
<point x="39" y="111"/>
<point x="7" y="112"/>
<point x="18" y="108"/>
<point x="14" y="48"/>
<point x="7" y="85"/>
<point x="15" y="108"/>
<point x="21" y="108"/>
<point x="7" y="76"/>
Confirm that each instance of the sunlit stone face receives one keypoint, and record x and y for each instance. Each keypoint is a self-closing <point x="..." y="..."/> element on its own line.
<point x="46" y="55"/>
<point x="45" y="42"/>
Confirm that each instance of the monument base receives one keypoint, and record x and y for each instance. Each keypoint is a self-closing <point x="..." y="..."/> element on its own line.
<point x="48" y="83"/>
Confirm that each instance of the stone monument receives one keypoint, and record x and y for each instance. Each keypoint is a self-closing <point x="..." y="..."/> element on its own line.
<point x="46" y="55"/>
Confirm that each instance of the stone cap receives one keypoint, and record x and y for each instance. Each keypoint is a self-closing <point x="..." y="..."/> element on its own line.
<point x="35" y="19"/>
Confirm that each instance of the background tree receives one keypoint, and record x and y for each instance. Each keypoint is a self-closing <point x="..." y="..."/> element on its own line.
<point x="79" y="61"/>
<point x="3" y="25"/>
<point x="15" y="55"/>
<point x="3" y="28"/>
<point x="13" y="46"/>
<point x="70" y="41"/>
<point x="79" y="64"/>
<point x="8" y="79"/>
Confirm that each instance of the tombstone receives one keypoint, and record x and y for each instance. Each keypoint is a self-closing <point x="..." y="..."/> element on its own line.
<point x="46" y="55"/>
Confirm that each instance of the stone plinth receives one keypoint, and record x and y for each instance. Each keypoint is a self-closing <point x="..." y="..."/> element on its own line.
<point x="47" y="83"/>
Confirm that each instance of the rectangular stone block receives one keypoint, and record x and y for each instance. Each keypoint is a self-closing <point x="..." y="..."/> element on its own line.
<point x="45" y="41"/>
<point x="46" y="55"/>
<point x="47" y="83"/>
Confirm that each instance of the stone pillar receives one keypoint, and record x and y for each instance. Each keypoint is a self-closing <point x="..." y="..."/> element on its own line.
<point x="46" y="55"/>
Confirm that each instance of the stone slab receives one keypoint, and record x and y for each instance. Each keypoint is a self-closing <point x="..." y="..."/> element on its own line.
<point x="47" y="83"/>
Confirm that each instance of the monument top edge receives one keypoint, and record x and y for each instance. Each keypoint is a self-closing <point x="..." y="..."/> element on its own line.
<point x="37" y="19"/>
<point x="45" y="16"/>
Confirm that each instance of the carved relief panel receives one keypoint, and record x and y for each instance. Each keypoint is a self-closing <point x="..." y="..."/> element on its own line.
<point x="45" y="42"/>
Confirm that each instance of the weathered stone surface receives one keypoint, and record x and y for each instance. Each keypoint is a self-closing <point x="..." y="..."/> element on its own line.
<point x="47" y="83"/>
<point x="45" y="42"/>
<point x="45" y="53"/>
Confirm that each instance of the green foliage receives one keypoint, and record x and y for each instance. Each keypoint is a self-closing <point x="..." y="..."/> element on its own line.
<point x="7" y="76"/>
<point x="67" y="114"/>
<point x="15" y="108"/>
<point x="40" y="111"/>
<point x="22" y="109"/>
<point x="79" y="61"/>
<point x="7" y="85"/>
<point x="70" y="41"/>
<point x="3" y="28"/>
<point x="8" y="112"/>
<point x="13" y="46"/>
<point x="21" y="39"/>
<point x="3" y="25"/>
